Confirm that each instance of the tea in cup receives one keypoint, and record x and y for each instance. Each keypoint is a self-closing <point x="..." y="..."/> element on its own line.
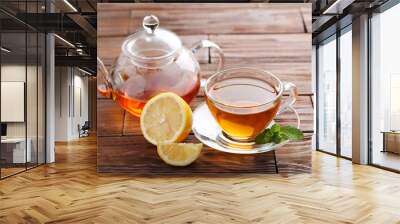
<point x="244" y="101"/>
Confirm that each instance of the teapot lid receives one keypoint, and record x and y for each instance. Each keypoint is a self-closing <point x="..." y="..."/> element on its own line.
<point x="152" y="42"/>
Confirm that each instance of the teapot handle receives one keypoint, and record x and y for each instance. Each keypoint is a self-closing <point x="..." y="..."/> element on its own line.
<point x="104" y="87"/>
<point x="208" y="44"/>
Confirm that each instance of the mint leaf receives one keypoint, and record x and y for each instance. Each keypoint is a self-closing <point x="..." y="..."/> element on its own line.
<point x="278" y="134"/>
<point x="284" y="136"/>
<point x="260" y="138"/>
<point x="268" y="135"/>
<point x="275" y="128"/>
<point x="292" y="133"/>
<point x="264" y="137"/>
<point x="276" y="138"/>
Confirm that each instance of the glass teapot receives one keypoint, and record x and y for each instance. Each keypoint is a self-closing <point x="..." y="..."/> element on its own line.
<point x="153" y="60"/>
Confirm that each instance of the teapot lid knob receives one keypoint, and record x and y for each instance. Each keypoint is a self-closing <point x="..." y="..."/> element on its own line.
<point x="150" y="23"/>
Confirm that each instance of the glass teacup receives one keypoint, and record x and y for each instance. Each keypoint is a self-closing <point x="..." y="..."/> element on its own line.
<point x="244" y="101"/>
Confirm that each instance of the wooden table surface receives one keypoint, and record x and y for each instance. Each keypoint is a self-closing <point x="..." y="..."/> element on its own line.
<point x="274" y="37"/>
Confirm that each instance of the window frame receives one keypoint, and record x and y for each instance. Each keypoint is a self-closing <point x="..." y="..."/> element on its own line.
<point x="378" y="10"/>
<point x="334" y="37"/>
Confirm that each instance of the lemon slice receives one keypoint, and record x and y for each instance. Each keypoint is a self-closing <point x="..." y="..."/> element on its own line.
<point x="166" y="118"/>
<point x="179" y="154"/>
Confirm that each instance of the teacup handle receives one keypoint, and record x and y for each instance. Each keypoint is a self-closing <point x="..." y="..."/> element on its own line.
<point x="288" y="86"/>
<point x="209" y="44"/>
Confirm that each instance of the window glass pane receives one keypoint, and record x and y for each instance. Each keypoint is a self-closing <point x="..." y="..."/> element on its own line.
<point x="13" y="86"/>
<point x="385" y="84"/>
<point x="22" y="88"/>
<point x="327" y="96"/>
<point x="31" y="97"/>
<point x="346" y="94"/>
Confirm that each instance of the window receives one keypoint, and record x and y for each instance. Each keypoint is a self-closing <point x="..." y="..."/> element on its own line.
<point x="327" y="96"/>
<point x="334" y="106"/>
<point x="22" y="78"/>
<point x="346" y="92"/>
<point x="385" y="89"/>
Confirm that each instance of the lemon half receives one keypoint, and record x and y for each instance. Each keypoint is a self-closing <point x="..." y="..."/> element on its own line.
<point x="166" y="118"/>
<point x="179" y="154"/>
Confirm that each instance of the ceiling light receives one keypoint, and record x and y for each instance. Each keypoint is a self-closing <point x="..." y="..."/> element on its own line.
<point x="84" y="71"/>
<point x="70" y="5"/>
<point x="65" y="41"/>
<point x="79" y="51"/>
<point x="5" y="50"/>
<point x="337" y="7"/>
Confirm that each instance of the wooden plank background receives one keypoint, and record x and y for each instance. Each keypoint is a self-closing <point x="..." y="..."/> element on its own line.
<point x="274" y="37"/>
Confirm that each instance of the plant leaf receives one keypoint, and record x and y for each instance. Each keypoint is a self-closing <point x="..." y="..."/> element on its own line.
<point x="292" y="133"/>
<point x="268" y="135"/>
<point x="276" y="128"/>
<point x="278" y="134"/>
<point x="264" y="137"/>
<point x="276" y="138"/>
<point x="260" y="138"/>
<point x="284" y="137"/>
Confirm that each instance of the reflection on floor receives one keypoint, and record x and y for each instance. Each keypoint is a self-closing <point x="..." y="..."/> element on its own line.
<point x="11" y="169"/>
<point x="70" y="191"/>
<point x="346" y="152"/>
<point x="386" y="159"/>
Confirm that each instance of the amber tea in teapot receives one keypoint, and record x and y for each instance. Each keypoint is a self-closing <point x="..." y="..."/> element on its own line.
<point x="135" y="105"/>
<point x="153" y="61"/>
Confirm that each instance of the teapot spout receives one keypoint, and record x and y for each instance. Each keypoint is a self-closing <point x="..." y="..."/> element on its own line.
<point x="104" y="85"/>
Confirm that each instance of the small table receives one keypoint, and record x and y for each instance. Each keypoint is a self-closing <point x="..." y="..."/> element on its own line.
<point x="391" y="141"/>
<point x="16" y="147"/>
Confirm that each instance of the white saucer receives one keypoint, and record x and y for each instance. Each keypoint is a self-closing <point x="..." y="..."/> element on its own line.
<point x="209" y="133"/>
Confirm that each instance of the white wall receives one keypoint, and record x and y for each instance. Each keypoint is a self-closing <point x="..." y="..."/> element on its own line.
<point x="71" y="94"/>
<point x="80" y="110"/>
<point x="33" y="126"/>
<point x="61" y="114"/>
<point x="12" y="73"/>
